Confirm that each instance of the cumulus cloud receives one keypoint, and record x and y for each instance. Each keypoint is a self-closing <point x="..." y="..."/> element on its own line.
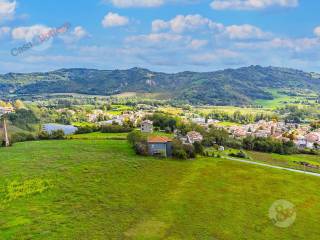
<point x="252" y="4"/>
<point x="79" y="32"/>
<point x="192" y="23"/>
<point x="114" y="20"/>
<point x="245" y="31"/>
<point x="7" y="9"/>
<point x="317" y="31"/>
<point x="75" y="35"/>
<point x="294" y="44"/>
<point x="30" y="32"/>
<point x="197" y="43"/>
<point x="136" y="3"/>
<point x="183" y="23"/>
<point x="155" y="38"/>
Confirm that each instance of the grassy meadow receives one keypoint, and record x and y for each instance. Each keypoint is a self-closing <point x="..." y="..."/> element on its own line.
<point x="99" y="189"/>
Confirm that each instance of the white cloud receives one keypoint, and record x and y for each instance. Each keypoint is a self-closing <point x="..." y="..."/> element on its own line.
<point x="317" y="31"/>
<point x="4" y="31"/>
<point x="297" y="45"/>
<point x="30" y="32"/>
<point x="136" y="3"/>
<point x="252" y="4"/>
<point x="114" y="20"/>
<point x="155" y="38"/>
<point x="197" y="43"/>
<point x="7" y="9"/>
<point x="79" y="32"/>
<point x="245" y="31"/>
<point x="75" y="35"/>
<point x="182" y="23"/>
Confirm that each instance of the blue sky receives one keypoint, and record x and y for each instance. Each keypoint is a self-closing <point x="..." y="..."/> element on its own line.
<point x="162" y="35"/>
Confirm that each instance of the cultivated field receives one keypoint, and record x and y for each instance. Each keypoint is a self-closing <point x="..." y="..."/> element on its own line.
<point x="98" y="189"/>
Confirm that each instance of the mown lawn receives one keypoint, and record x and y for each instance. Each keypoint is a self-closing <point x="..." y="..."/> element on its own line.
<point x="95" y="189"/>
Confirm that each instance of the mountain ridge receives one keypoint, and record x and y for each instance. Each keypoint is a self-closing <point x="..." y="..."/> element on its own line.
<point x="223" y="87"/>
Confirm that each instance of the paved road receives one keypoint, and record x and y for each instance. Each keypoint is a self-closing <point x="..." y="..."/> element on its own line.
<point x="272" y="166"/>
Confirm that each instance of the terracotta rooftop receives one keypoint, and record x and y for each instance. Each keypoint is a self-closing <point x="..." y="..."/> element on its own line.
<point x="159" y="139"/>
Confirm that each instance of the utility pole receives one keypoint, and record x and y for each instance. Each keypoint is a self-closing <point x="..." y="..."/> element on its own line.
<point x="6" y="138"/>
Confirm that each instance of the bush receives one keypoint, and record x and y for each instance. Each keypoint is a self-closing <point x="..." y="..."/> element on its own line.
<point x="87" y="128"/>
<point x="22" y="137"/>
<point x="115" y="129"/>
<point x="136" y="137"/>
<point x="141" y="148"/>
<point x="269" y="145"/>
<point x="54" y="135"/>
<point x="180" y="154"/>
<point x="183" y="151"/>
<point x="240" y="154"/>
<point x="139" y="142"/>
<point x="198" y="148"/>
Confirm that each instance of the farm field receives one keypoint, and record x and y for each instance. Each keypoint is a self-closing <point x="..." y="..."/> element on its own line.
<point x="93" y="189"/>
<point x="282" y="99"/>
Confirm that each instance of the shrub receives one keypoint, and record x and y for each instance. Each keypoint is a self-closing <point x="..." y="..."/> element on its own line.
<point x="190" y="151"/>
<point x="115" y="129"/>
<point x="240" y="154"/>
<point x="180" y="154"/>
<point x="136" y="136"/>
<point x="198" y="148"/>
<point x="22" y="137"/>
<point x="139" y="142"/>
<point x="141" y="148"/>
<point x="54" y="135"/>
<point x="87" y="128"/>
<point x="183" y="151"/>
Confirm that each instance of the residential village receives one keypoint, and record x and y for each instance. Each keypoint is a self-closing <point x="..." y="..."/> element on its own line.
<point x="140" y="117"/>
<point x="301" y="134"/>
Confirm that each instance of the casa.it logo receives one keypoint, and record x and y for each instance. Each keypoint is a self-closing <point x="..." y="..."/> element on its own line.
<point x="42" y="41"/>
<point x="282" y="213"/>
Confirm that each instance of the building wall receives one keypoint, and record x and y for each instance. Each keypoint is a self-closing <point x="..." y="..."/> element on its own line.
<point x="160" y="149"/>
<point x="147" y="128"/>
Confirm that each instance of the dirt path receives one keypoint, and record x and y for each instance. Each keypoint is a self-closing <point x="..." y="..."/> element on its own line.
<point x="272" y="166"/>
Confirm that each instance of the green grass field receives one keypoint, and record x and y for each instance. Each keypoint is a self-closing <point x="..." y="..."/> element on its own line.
<point x="110" y="136"/>
<point x="95" y="189"/>
<point x="288" y="161"/>
<point x="281" y="99"/>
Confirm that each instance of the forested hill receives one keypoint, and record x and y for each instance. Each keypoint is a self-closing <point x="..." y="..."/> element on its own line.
<point x="230" y="86"/>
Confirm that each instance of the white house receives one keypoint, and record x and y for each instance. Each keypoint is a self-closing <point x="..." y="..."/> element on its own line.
<point x="147" y="126"/>
<point x="5" y="110"/>
<point x="194" y="136"/>
<point x="312" y="138"/>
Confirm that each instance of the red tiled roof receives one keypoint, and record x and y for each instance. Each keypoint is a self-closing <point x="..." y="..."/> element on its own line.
<point x="159" y="139"/>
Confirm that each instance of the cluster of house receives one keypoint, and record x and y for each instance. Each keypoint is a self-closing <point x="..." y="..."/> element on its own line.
<point x="134" y="117"/>
<point x="301" y="135"/>
<point x="310" y="140"/>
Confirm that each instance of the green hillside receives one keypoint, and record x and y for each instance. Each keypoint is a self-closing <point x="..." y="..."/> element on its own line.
<point x="227" y="87"/>
<point x="96" y="189"/>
